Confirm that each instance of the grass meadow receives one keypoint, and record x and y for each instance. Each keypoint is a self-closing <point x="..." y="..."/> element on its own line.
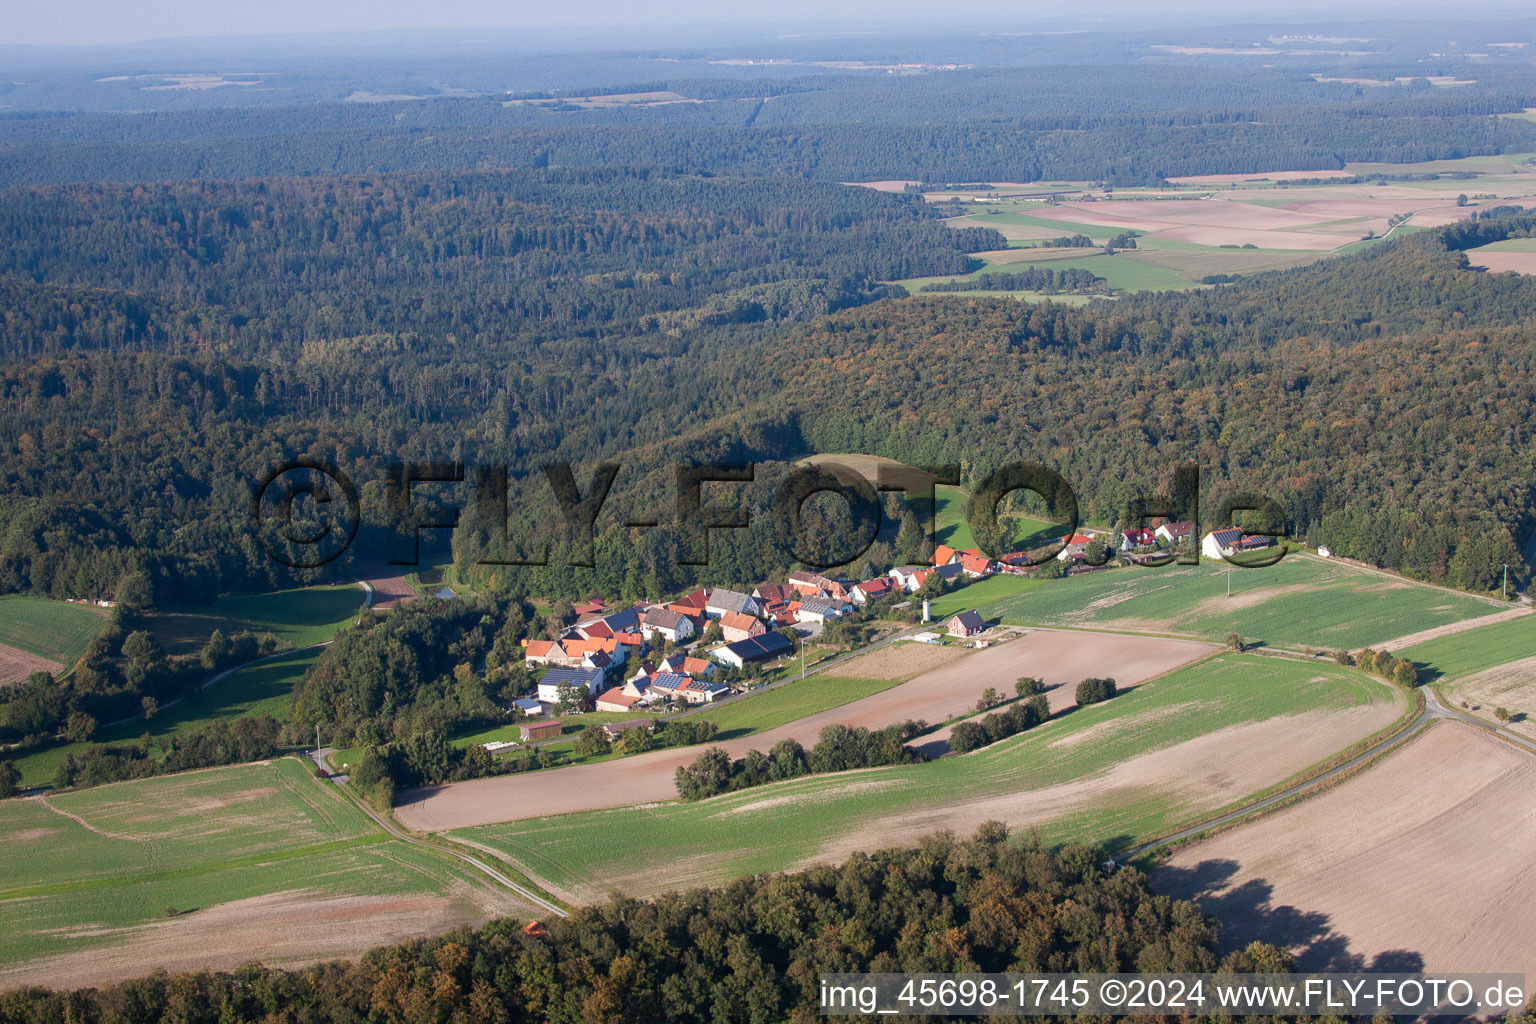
<point x="298" y="617"/>
<point x="1299" y="602"/>
<point x="55" y="630"/>
<point x="772" y="828"/>
<point x="117" y="856"/>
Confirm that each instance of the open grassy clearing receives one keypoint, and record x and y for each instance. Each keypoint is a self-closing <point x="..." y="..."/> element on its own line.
<point x="952" y="528"/>
<point x="1301" y="601"/>
<point x="775" y="827"/>
<point x="1119" y="271"/>
<point x="98" y="869"/>
<point x="298" y="617"/>
<point x="1508" y="245"/>
<point x="260" y="689"/>
<point x="55" y="630"/>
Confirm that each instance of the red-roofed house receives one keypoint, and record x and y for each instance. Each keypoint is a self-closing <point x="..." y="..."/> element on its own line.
<point x="738" y="626"/>
<point x="615" y="699"/>
<point x="975" y="564"/>
<point x="871" y="590"/>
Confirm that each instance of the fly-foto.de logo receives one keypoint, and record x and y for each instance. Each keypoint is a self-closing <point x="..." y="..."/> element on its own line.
<point x="306" y="512"/>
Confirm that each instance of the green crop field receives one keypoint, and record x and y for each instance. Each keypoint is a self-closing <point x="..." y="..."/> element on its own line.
<point x="259" y="689"/>
<point x="1507" y="245"/>
<point x="55" y="630"/>
<point x="771" y="828"/>
<point x="982" y="593"/>
<point x="298" y="618"/>
<point x="1301" y="601"/>
<point x="1462" y="654"/>
<point x="953" y="529"/>
<point x="118" y="856"/>
<point x="780" y="706"/>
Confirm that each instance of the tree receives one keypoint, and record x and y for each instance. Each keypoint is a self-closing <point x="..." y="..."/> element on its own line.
<point x="709" y="774"/>
<point x="151" y="707"/>
<point x="216" y="651"/>
<point x="10" y="780"/>
<point x="1502" y="714"/>
<point x="1027" y="686"/>
<point x="967" y="736"/>
<point x="1343" y="657"/>
<point x="1234" y="642"/>
<point x="989" y="697"/>
<point x="570" y="698"/>
<point x="635" y="741"/>
<point x="79" y="727"/>
<point x="591" y="741"/>
<point x="1093" y="690"/>
<point x="1405" y="673"/>
<point x="135" y="592"/>
<point x="142" y="648"/>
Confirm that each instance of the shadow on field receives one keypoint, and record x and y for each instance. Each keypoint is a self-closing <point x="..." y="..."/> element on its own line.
<point x="1248" y="914"/>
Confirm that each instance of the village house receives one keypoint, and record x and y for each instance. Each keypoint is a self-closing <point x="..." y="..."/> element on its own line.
<point x="820" y="609"/>
<point x="967" y="623"/>
<point x="757" y="648"/>
<point x="736" y="626"/>
<point x="906" y="577"/>
<point x="1223" y="543"/>
<point x="1133" y="539"/>
<point x="691" y="691"/>
<point x="871" y="590"/>
<point x="1175" y="534"/>
<point x="672" y="626"/>
<point x="587" y="679"/>
<point x="1076" y="547"/>
<point x="684" y="665"/>
<point x="771" y="594"/>
<point x="721" y="601"/>
<point x="975" y="564"/>
<point x="615" y="699"/>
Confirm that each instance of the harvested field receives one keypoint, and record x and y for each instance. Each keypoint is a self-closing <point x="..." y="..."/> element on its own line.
<point x="16" y="665"/>
<point x="901" y="660"/>
<point x="389" y="585"/>
<point x="1138" y="765"/>
<point x="1411" y="865"/>
<point x="1219" y="179"/>
<point x="935" y="696"/>
<point x="1497" y="262"/>
<point x="1511" y="687"/>
<point x="1036" y="254"/>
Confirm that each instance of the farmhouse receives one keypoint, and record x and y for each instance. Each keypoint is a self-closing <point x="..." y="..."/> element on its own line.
<point x="736" y="626"/>
<point x="757" y="648"/>
<point x="1222" y="543"/>
<point x="672" y="626"/>
<point x="686" y="666"/>
<point x="975" y="564"/>
<point x="770" y="594"/>
<point x="721" y="601"/>
<point x="1176" y="534"/>
<point x="967" y="623"/>
<point x="546" y="730"/>
<point x="693" y="691"/>
<point x="587" y="679"/>
<point x="1075" y="549"/>
<point x="907" y="578"/>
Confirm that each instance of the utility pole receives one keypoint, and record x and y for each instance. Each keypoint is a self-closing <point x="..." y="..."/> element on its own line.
<point x="1229" y="582"/>
<point x="317" y="739"/>
<point x="1506" y="581"/>
<point x="802" y="657"/>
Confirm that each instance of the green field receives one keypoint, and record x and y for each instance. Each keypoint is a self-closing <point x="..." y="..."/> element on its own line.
<point x="782" y="705"/>
<point x="1462" y="654"/>
<point x="259" y="689"/>
<point x="1118" y="271"/>
<point x="1301" y="601"/>
<point x="54" y="630"/>
<point x="771" y="828"/>
<point x="1508" y="245"/>
<point x="953" y="529"/>
<point x="298" y="618"/>
<point x="982" y="593"/>
<point x="191" y="841"/>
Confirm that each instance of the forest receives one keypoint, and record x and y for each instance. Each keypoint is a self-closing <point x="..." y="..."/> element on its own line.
<point x="751" y="950"/>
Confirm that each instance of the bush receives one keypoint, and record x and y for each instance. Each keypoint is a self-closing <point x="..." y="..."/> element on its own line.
<point x="1094" y="690"/>
<point x="1028" y="686"/>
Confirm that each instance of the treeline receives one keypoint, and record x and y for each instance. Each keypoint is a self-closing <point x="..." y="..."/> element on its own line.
<point x="838" y="749"/>
<point x="973" y="734"/>
<point x="1048" y="280"/>
<point x="1120" y="151"/>
<point x="752" y="950"/>
<point x="212" y="743"/>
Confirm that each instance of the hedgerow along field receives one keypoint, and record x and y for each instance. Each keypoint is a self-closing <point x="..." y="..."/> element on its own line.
<point x="776" y="827"/>
<point x="189" y="842"/>
<point x="1302" y="601"/>
<point x="56" y="630"/>
<point x="297" y="617"/>
<point x="262" y="688"/>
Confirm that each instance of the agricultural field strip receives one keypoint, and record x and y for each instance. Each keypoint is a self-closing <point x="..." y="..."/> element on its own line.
<point x="803" y="815"/>
<point x="55" y="630"/>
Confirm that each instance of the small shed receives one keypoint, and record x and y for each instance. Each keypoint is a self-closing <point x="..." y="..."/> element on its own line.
<point x="546" y="730"/>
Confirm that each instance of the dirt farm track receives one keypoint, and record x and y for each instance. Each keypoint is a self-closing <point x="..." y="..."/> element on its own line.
<point x="938" y="695"/>
<point x="1414" y="864"/>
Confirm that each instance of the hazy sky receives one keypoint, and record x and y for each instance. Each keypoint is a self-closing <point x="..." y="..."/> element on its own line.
<point x="122" y="21"/>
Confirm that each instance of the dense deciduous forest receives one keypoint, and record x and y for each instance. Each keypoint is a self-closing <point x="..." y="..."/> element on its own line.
<point x="750" y="951"/>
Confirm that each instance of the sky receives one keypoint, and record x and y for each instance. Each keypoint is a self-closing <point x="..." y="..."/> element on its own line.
<point x="97" y="22"/>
